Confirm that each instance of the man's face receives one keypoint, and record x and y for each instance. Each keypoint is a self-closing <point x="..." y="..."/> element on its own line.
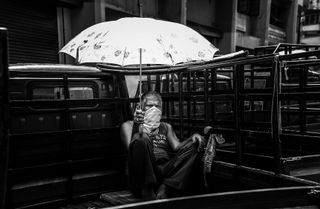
<point x="150" y="102"/>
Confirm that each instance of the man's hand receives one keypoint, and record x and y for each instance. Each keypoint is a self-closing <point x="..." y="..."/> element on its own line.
<point x="138" y="116"/>
<point x="197" y="138"/>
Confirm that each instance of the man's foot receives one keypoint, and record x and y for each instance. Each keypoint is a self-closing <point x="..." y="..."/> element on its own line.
<point x="162" y="192"/>
<point x="148" y="193"/>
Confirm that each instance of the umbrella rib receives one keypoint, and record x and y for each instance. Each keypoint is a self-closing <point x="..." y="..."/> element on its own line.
<point x="166" y="51"/>
<point x="124" y="54"/>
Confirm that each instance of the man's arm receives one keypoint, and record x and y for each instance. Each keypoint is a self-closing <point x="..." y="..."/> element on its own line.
<point x="126" y="132"/>
<point x="126" y="127"/>
<point x="173" y="140"/>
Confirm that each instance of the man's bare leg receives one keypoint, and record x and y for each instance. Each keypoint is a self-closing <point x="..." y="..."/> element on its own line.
<point x="162" y="192"/>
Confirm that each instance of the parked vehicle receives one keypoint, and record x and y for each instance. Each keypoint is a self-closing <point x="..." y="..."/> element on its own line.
<point x="60" y="143"/>
<point x="64" y="133"/>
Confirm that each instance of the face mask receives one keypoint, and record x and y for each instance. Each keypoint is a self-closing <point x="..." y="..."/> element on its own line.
<point x="152" y="119"/>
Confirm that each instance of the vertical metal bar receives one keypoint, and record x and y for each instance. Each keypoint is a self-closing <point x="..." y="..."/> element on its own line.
<point x="302" y="109"/>
<point x="275" y="120"/>
<point x="206" y="97"/>
<point x="158" y="84"/>
<point x="214" y="73"/>
<point x="212" y="70"/>
<point x="116" y="80"/>
<point x="252" y="77"/>
<point x="273" y="112"/>
<point x="5" y="119"/>
<point x="236" y="102"/>
<point x="169" y="111"/>
<point x="114" y="85"/>
<point x="167" y="83"/>
<point x="252" y="87"/>
<point x="189" y="101"/>
<point x="66" y="86"/>
<point x="66" y="97"/>
<point x="118" y="95"/>
<point x="68" y="136"/>
<point x="194" y="87"/>
<point x="180" y="105"/>
<point x="241" y="110"/>
<point x="149" y="82"/>
<point x="210" y="91"/>
<point x="302" y="116"/>
<point x="290" y="49"/>
<point x="172" y="89"/>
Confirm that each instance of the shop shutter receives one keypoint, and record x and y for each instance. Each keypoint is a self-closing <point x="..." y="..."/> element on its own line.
<point x="33" y="33"/>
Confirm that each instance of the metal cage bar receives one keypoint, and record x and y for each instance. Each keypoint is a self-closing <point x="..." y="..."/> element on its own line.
<point x="5" y="117"/>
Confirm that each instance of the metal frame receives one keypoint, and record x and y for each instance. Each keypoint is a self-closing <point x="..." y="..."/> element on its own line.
<point x="66" y="74"/>
<point x="191" y="76"/>
<point x="5" y="119"/>
<point x="274" y="94"/>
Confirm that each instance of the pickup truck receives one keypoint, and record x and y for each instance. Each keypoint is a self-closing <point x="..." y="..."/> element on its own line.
<point x="64" y="133"/>
<point x="60" y="144"/>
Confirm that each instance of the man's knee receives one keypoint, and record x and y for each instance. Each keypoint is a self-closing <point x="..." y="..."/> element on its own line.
<point x="140" y="140"/>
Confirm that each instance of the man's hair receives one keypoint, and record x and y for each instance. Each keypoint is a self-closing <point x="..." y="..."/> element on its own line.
<point x="151" y="94"/>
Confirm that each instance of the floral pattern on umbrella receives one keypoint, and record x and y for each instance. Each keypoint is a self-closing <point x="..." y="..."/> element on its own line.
<point x="118" y="42"/>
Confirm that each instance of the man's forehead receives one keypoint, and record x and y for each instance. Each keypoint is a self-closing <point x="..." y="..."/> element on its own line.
<point x="152" y="99"/>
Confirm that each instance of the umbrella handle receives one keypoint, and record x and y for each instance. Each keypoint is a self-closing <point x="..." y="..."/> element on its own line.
<point x="140" y="129"/>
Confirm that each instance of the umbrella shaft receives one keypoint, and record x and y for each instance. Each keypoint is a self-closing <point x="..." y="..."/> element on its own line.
<point x="140" y="76"/>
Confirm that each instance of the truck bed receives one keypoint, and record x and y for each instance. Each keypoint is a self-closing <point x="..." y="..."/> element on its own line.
<point x="289" y="197"/>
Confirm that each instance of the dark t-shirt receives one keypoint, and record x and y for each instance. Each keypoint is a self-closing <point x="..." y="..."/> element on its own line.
<point x="161" y="147"/>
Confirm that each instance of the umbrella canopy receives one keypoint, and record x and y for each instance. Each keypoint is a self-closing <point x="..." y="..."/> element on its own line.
<point x="159" y="42"/>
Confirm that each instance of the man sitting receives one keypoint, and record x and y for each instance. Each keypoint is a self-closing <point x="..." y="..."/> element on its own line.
<point x="157" y="160"/>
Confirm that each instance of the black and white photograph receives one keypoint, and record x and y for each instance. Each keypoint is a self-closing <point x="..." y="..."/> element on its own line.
<point x="159" y="104"/>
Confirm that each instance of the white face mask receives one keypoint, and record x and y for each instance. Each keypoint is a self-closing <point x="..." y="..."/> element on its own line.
<point x="152" y="119"/>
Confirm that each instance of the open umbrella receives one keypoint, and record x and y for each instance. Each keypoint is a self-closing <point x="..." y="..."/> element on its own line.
<point x="139" y="41"/>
